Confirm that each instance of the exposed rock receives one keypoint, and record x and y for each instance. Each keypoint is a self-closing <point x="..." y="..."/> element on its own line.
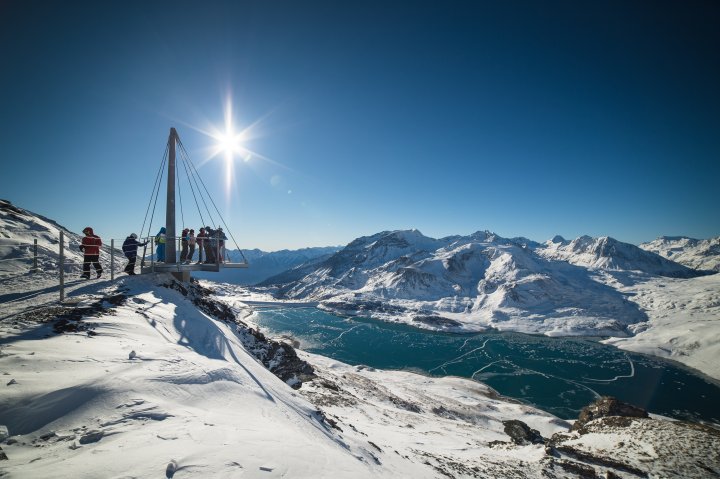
<point x="521" y="433"/>
<point x="642" y="447"/>
<point x="607" y="406"/>
<point x="279" y="357"/>
<point x="3" y="457"/>
<point x="90" y="437"/>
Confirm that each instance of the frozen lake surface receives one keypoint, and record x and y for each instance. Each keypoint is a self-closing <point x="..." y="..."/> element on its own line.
<point x="559" y="375"/>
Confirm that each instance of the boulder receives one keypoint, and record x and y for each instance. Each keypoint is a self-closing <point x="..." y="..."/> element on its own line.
<point x="521" y="433"/>
<point x="607" y="406"/>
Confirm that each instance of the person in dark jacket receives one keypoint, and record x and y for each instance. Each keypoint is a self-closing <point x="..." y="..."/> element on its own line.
<point x="210" y="245"/>
<point x="184" y="245"/>
<point x="201" y="238"/>
<point x="90" y="246"/>
<point x="130" y="247"/>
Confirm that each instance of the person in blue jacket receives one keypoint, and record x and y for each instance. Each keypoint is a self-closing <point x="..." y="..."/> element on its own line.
<point x="160" y="241"/>
<point x="130" y="247"/>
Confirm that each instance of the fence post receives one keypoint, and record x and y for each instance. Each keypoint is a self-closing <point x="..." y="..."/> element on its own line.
<point x="112" y="259"/>
<point x="61" y="260"/>
<point x="35" y="268"/>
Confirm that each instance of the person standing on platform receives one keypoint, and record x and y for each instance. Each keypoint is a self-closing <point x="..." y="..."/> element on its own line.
<point x="201" y="238"/>
<point x="130" y="247"/>
<point x="191" y="246"/>
<point x="160" y="242"/>
<point x="210" y="245"/>
<point x="90" y="246"/>
<point x="221" y="239"/>
<point x="184" y="245"/>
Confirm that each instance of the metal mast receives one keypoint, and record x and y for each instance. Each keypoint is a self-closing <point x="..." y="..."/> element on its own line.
<point x="170" y="255"/>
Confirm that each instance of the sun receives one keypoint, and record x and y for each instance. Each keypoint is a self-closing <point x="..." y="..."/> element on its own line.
<point x="230" y="143"/>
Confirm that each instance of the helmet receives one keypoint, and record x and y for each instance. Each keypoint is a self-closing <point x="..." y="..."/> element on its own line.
<point x="133" y="235"/>
<point x="87" y="230"/>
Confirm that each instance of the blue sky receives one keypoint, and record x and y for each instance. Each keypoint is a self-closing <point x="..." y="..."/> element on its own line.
<point x="525" y="118"/>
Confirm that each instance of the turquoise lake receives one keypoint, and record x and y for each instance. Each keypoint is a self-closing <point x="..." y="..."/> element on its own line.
<point x="558" y="375"/>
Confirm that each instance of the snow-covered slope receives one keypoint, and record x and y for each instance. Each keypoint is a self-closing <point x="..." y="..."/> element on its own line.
<point x="157" y="386"/>
<point x="19" y="228"/>
<point x="683" y="320"/>
<point x="145" y="376"/>
<point x="142" y="377"/>
<point x="611" y="254"/>
<point x="694" y="253"/>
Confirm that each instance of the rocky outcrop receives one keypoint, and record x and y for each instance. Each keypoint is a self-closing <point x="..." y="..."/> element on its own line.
<point x="279" y="357"/>
<point x="521" y="433"/>
<point x="607" y="406"/>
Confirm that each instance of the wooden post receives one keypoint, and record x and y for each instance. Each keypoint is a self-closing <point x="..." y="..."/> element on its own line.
<point x="112" y="259"/>
<point x="61" y="261"/>
<point x="170" y="248"/>
<point x="35" y="268"/>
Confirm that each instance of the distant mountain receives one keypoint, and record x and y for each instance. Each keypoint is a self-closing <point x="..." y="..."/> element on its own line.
<point x="611" y="254"/>
<point x="478" y="281"/>
<point x="694" y="253"/>
<point x="263" y="264"/>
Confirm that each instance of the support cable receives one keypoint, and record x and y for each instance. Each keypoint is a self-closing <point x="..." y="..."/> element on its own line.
<point x="155" y="186"/>
<point x="157" y="193"/>
<point x="213" y="203"/>
<point x="195" y="178"/>
<point x="192" y="189"/>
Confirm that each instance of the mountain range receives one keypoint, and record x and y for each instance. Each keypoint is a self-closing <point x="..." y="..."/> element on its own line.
<point x="695" y="253"/>
<point x="480" y="281"/>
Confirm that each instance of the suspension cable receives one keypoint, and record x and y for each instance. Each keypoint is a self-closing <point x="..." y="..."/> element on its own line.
<point x="195" y="176"/>
<point x="192" y="189"/>
<point x="155" y="186"/>
<point x="213" y="203"/>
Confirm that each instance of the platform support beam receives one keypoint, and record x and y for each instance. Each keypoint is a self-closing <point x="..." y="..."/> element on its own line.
<point x="170" y="243"/>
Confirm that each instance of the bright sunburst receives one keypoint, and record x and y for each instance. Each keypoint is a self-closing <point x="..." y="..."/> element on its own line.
<point x="231" y="143"/>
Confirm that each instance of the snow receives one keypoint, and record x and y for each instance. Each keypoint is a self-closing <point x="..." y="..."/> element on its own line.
<point x="694" y="253"/>
<point x="683" y="321"/>
<point x="193" y="400"/>
<point x="200" y="398"/>
<point x="587" y="286"/>
<point x="142" y="382"/>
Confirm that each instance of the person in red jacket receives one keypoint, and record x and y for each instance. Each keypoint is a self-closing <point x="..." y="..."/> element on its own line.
<point x="90" y="246"/>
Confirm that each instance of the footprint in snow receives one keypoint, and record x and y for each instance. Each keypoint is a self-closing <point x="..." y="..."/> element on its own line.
<point x="171" y="468"/>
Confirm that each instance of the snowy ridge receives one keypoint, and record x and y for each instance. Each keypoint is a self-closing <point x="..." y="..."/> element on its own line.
<point x="18" y="229"/>
<point x="693" y="253"/>
<point x="144" y="376"/>
<point x="481" y="281"/>
<point x="611" y="254"/>
<point x="144" y="383"/>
